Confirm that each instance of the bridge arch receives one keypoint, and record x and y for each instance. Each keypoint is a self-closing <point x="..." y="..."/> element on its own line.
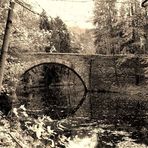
<point x="50" y="73"/>
<point x="63" y="64"/>
<point x="79" y="63"/>
<point x="68" y="64"/>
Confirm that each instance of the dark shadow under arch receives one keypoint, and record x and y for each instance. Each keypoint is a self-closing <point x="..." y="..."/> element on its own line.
<point x="58" y="64"/>
<point x="81" y="100"/>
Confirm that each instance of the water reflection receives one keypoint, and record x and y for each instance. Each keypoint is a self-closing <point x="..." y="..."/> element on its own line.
<point x="57" y="91"/>
<point x="51" y="89"/>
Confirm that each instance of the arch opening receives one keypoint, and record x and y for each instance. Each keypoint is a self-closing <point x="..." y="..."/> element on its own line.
<point x="53" y="89"/>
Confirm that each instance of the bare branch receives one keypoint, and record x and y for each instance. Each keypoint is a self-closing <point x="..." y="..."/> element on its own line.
<point x="144" y="3"/>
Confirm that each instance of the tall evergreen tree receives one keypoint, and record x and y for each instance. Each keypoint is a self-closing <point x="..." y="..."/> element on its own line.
<point x="59" y="40"/>
<point x="120" y="29"/>
<point x="105" y="22"/>
<point x="135" y="35"/>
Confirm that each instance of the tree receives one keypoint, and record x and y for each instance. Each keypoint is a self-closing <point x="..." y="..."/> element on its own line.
<point x="3" y="15"/>
<point x="82" y="40"/>
<point x="59" y="40"/>
<point x="5" y="44"/>
<point x="136" y="41"/>
<point x="120" y="29"/>
<point x="25" y="37"/>
<point x="105" y="21"/>
<point x="44" y="22"/>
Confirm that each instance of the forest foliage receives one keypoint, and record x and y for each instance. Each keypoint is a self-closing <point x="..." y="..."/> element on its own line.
<point x="34" y="33"/>
<point x="43" y="33"/>
<point x="121" y="27"/>
<point x="59" y="38"/>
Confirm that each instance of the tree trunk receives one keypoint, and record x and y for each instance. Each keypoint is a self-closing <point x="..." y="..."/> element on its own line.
<point x="6" y="42"/>
<point x="146" y="30"/>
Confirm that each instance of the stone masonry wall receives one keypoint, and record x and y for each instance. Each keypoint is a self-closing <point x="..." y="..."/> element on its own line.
<point x="118" y="80"/>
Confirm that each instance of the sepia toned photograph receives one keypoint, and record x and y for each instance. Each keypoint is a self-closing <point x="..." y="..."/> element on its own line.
<point x="73" y="73"/>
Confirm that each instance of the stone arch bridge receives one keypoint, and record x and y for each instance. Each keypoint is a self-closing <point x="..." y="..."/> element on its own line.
<point x="98" y="72"/>
<point x="76" y="62"/>
<point x="42" y="77"/>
